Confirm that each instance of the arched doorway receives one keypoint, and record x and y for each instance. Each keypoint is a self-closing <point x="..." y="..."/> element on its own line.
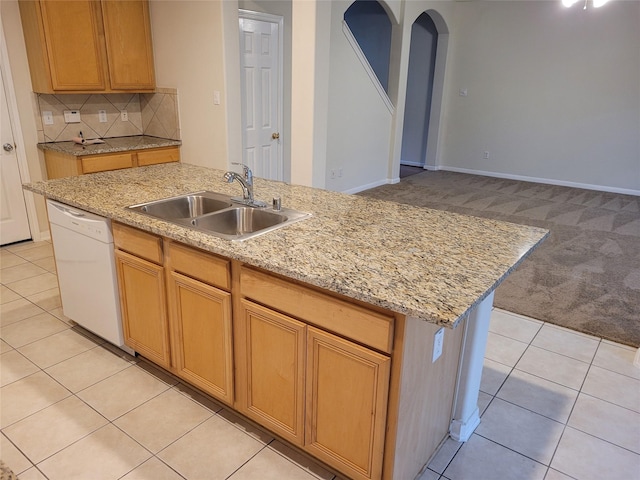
<point x="425" y="79"/>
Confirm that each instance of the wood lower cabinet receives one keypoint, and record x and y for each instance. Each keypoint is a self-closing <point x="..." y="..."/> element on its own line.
<point x="65" y="165"/>
<point x="270" y="359"/>
<point x="176" y="311"/>
<point x="200" y="317"/>
<point x="142" y="299"/>
<point x="283" y="362"/>
<point x="288" y="370"/>
<point x="347" y="390"/>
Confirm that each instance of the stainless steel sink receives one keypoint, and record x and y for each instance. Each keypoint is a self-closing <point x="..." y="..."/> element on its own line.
<point x="184" y="207"/>
<point x="217" y="214"/>
<point x="240" y="221"/>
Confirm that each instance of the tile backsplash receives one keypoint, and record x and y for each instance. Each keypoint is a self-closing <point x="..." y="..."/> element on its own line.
<point x="154" y="114"/>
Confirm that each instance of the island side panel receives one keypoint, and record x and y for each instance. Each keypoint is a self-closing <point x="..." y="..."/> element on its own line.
<point x="424" y="397"/>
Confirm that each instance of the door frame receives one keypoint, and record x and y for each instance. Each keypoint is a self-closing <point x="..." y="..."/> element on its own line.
<point x="270" y="18"/>
<point x="436" y="122"/>
<point x="14" y="118"/>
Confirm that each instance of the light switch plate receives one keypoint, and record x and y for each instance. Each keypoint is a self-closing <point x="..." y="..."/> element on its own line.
<point x="438" y="342"/>
<point x="72" y="116"/>
<point x="47" y="117"/>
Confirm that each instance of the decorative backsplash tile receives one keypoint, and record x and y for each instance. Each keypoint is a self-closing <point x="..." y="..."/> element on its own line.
<point x="160" y="113"/>
<point x="154" y="114"/>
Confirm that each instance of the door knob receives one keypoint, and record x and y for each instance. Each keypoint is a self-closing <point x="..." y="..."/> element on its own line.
<point x="275" y="136"/>
<point x="7" y="147"/>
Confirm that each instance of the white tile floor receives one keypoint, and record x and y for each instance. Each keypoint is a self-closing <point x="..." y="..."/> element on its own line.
<point x="556" y="404"/>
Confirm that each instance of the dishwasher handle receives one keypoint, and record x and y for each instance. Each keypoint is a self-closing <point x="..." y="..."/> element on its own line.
<point x="76" y="214"/>
<point x="67" y="210"/>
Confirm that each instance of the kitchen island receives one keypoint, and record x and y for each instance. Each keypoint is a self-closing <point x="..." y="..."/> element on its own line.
<point x="388" y="276"/>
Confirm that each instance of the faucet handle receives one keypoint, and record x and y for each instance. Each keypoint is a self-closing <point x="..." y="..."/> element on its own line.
<point x="248" y="175"/>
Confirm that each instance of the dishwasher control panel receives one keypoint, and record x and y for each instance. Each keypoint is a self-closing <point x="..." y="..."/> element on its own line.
<point x="79" y="221"/>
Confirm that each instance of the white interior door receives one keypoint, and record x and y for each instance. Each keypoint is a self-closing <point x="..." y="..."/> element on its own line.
<point x="14" y="223"/>
<point x="261" y="86"/>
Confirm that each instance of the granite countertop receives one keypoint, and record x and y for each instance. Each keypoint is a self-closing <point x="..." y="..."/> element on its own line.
<point x="110" y="145"/>
<point x="429" y="264"/>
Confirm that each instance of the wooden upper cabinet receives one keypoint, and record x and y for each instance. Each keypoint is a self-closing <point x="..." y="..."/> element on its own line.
<point x="71" y="32"/>
<point x="127" y="31"/>
<point x="88" y="46"/>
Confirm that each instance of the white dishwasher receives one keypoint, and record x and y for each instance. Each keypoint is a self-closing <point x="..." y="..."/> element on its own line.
<point x="85" y="261"/>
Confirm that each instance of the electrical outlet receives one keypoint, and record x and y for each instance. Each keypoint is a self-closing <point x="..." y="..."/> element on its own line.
<point x="72" y="116"/>
<point x="124" y="116"/>
<point x="216" y="97"/>
<point x="485" y="155"/>
<point x="102" y="116"/>
<point x="438" y="342"/>
<point x="47" y="117"/>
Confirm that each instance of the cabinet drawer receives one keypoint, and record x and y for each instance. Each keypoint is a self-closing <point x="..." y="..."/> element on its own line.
<point x="102" y="163"/>
<point x="151" y="157"/>
<point x="365" y="326"/>
<point x="199" y="265"/>
<point x="137" y="242"/>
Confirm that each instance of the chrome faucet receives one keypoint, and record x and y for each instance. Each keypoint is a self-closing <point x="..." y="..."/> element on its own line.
<point x="246" y="181"/>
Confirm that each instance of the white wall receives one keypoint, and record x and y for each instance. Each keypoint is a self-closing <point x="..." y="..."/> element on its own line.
<point x="188" y="43"/>
<point x="359" y="122"/>
<point x="310" y="40"/>
<point x="553" y="93"/>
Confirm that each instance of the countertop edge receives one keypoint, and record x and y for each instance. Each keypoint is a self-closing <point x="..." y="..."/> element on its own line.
<point x="111" y="145"/>
<point x="349" y="289"/>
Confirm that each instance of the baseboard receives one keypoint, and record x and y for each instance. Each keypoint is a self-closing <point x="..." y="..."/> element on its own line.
<point x="362" y="188"/>
<point x="411" y="164"/>
<point x="549" y="181"/>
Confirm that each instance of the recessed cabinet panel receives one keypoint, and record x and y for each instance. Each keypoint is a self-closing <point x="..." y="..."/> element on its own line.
<point x="201" y="319"/>
<point x="103" y="163"/>
<point x="73" y="45"/>
<point x="143" y="300"/>
<point x="347" y="391"/>
<point x="128" y="39"/>
<point x="155" y="156"/>
<point x="139" y="243"/>
<point x="271" y="370"/>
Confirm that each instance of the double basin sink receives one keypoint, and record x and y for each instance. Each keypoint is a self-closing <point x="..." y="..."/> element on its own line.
<point x="219" y="215"/>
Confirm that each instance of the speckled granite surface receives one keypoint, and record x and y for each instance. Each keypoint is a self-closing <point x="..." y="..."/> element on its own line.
<point x="424" y="263"/>
<point x="110" y="145"/>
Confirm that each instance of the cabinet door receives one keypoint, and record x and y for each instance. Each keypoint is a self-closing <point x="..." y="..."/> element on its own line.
<point x="74" y="49"/>
<point x="201" y="327"/>
<point x="270" y="370"/>
<point x="143" y="301"/>
<point x="127" y="33"/>
<point x="346" y="400"/>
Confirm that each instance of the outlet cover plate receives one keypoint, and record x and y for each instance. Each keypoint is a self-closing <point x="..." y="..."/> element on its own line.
<point x="438" y="342"/>
<point x="72" y="116"/>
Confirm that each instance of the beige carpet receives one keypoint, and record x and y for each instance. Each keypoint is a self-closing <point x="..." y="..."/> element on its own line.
<point x="585" y="276"/>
